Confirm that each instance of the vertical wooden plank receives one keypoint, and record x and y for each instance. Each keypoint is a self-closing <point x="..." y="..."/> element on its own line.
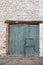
<point x="11" y="49"/>
<point x="7" y="34"/>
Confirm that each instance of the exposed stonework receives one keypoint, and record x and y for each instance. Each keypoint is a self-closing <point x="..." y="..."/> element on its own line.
<point x="19" y="10"/>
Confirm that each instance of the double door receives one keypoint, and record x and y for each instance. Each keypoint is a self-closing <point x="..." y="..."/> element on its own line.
<point x="23" y="40"/>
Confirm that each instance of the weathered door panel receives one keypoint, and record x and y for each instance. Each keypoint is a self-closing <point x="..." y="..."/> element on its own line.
<point x="16" y="39"/>
<point x="32" y="40"/>
<point x="24" y="40"/>
<point x="34" y="33"/>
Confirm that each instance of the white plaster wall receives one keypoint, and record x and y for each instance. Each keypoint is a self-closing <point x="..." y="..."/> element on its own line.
<point x="19" y="10"/>
<point x="41" y="28"/>
<point x="41" y="39"/>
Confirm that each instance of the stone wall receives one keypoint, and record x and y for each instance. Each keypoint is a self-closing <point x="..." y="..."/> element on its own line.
<point x="20" y="10"/>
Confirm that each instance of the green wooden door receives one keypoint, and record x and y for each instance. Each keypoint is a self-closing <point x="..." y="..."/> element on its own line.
<point x="24" y="40"/>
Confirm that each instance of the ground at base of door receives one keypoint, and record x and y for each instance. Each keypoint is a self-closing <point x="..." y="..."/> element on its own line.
<point x="21" y="60"/>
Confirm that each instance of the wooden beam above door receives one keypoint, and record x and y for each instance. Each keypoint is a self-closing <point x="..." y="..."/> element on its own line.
<point x="23" y="22"/>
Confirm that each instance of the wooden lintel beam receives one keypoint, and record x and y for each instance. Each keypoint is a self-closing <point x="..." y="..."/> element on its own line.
<point x="22" y="22"/>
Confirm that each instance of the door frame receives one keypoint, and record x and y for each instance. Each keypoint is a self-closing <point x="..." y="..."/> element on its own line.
<point x="8" y="22"/>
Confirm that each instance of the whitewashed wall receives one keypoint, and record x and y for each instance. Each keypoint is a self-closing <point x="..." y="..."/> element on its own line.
<point x="41" y="39"/>
<point x="41" y="28"/>
<point x="20" y="10"/>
